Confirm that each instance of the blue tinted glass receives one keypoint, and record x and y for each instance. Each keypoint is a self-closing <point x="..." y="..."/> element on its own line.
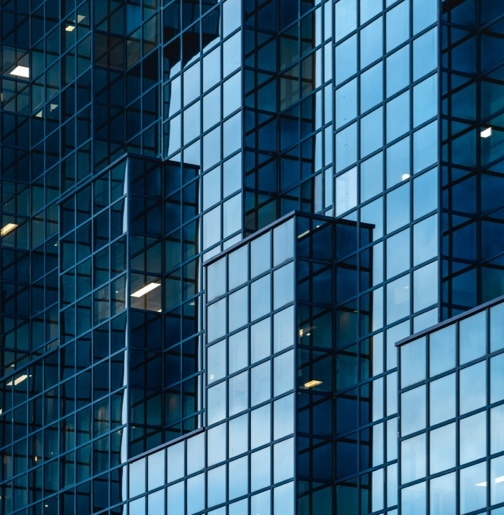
<point x="371" y="92"/>
<point x="398" y="66"/>
<point x="397" y="30"/>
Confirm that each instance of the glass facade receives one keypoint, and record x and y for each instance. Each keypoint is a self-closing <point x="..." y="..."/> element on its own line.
<point x="451" y="408"/>
<point x="217" y="219"/>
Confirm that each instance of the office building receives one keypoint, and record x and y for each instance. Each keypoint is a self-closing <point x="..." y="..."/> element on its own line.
<point x="234" y="237"/>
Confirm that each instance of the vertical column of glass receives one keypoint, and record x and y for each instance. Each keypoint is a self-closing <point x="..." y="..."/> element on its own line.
<point x="280" y="102"/>
<point x="472" y="155"/>
<point x="250" y="374"/>
<point x="182" y="299"/>
<point x="86" y="431"/>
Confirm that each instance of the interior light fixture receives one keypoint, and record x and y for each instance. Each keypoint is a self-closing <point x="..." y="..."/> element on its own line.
<point x="312" y="383"/>
<point x="145" y="289"/>
<point x="499" y="479"/>
<point x="21" y="71"/>
<point x="7" y="228"/>
<point x="486" y="133"/>
<point x="303" y="234"/>
<point x="70" y="28"/>
<point x="483" y="483"/>
<point x="405" y="176"/>
<point x="18" y="380"/>
<point x="80" y="17"/>
<point x="1" y="411"/>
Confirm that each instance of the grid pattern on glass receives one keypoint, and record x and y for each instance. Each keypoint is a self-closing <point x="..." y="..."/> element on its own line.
<point x="452" y="402"/>
<point x="472" y="156"/>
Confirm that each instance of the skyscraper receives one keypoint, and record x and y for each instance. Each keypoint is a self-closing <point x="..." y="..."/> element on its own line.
<point x="218" y="219"/>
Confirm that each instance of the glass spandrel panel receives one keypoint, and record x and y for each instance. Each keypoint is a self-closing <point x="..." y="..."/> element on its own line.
<point x="260" y="469"/>
<point x="398" y="69"/>
<point x="260" y="255"/>
<point x="260" y="426"/>
<point x="238" y="435"/>
<point x="413" y="406"/>
<point x="284" y="373"/>
<point x="176" y="498"/>
<point x="497" y="327"/>
<point x="442" y="448"/>
<point x="473" y="488"/>
<point x="260" y="384"/>
<point x="137" y="476"/>
<point x="371" y="42"/>
<point x="260" y="297"/>
<point x="443" y="495"/>
<point x="497" y="378"/>
<point x="216" y="320"/>
<point x="283" y="284"/>
<point x="371" y="178"/>
<point x="398" y="299"/>
<point x="497" y="480"/>
<point x="346" y="100"/>
<point x="413" y="458"/>
<point x="261" y="503"/>
<point x="238" y="309"/>
<point x="345" y="17"/>
<point x="283" y="410"/>
<point x="196" y="493"/>
<point x="238" y="350"/>
<point x="425" y="53"/>
<point x="398" y="118"/>
<point x="473" y="437"/>
<point x="442" y="399"/>
<point x="472" y="387"/>
<point x="238" y="393"/>
<point x="398" y="253"/>
<point x="216" y="446"/>
<point x="283" y="460"/>
<point x="260" y="340"/>
<point x="156" y="502"/>
<point x="238" y="267"/>
<point x="216" y="361"/>
<point x="216" y="279"/>
<point x="283" y="242"/>
<point x="346" y="59"/>
<point x="216" y="407"/>
<point x="442" y="350"/>
<point x="284" y="499"/>
<point x="473" y="337"/>
<point x="424" y="14"/>
<point x="238" y="477"/>
<point x="413" y="362"/>
<point x="397" y="25"/>
<point x="424" y="294"/>
<point x="217" y="480"/>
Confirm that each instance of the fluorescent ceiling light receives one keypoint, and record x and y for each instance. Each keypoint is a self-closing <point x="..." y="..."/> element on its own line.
<point x="6" y="229"/>
<point x="405" y="176"/>
<point x="146" y="289"/>
<point x="483" y="483"/>
<point x="499" y="479"/>
<point x="70" y="28"/>
<point x="1" y="411"/>
<point x="18" y="380"/>
<point x="303" y="234"/>
<point x="486" y="133"/>
<point x="21" y="71"/>
<point x="312" y="383"/>
<point x="80" y="18"/>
